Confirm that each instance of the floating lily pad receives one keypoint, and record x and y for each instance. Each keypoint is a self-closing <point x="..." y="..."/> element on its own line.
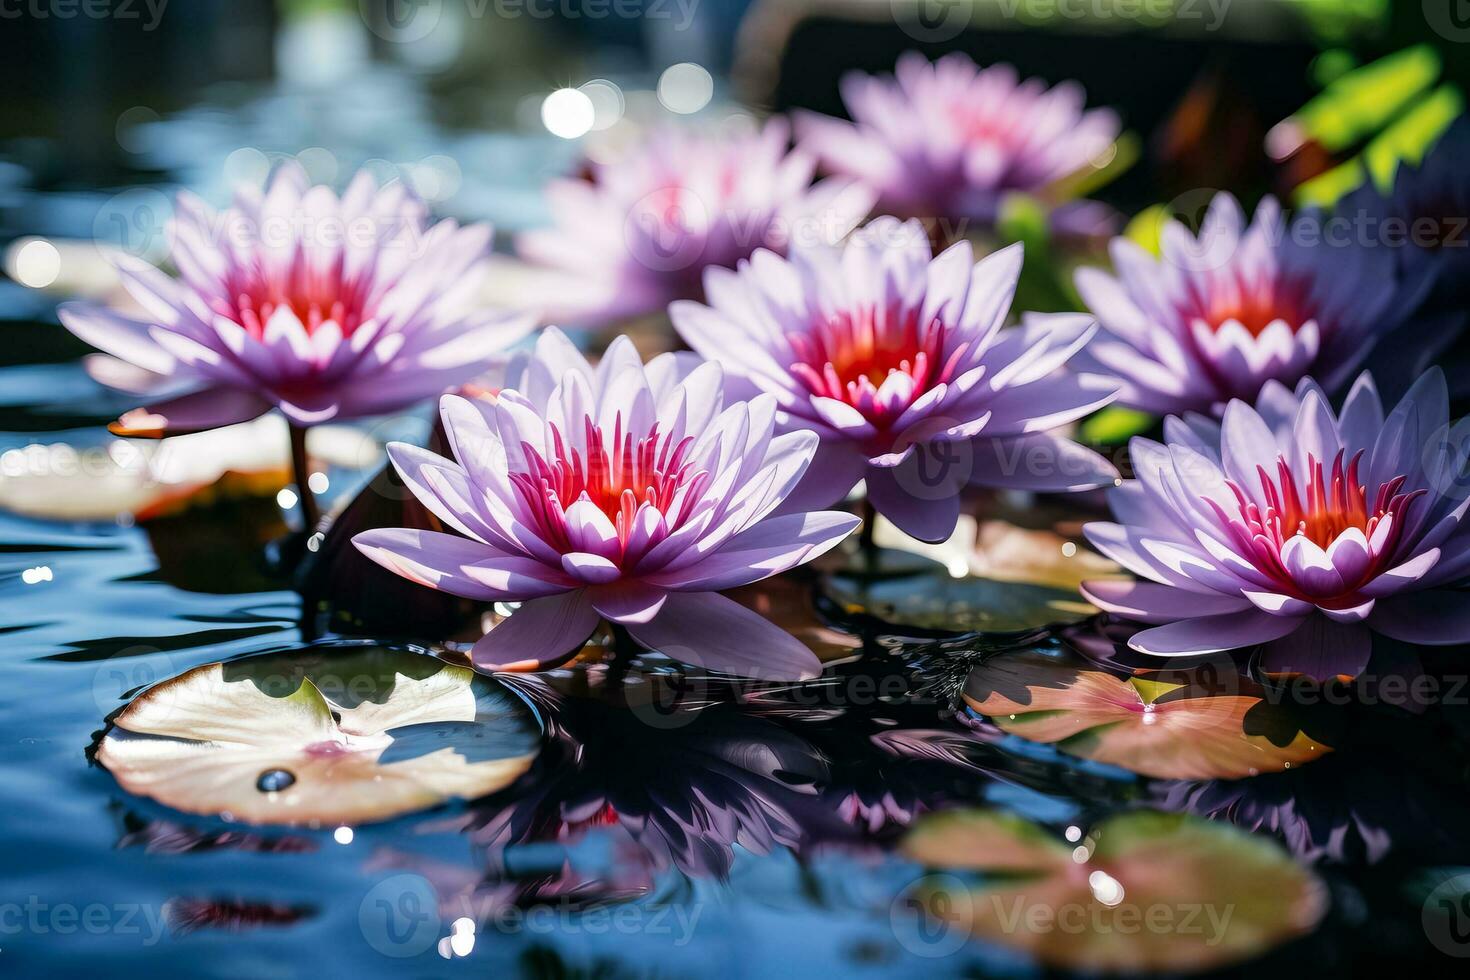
<point x="1003" y="552"/>
<point x="1165" y="724"/>
<point x="343" y="738"/>
<point x="989" y="577"/>
<point x="1142" y="892"/>
<point x="148" y="479"/>
<point x="786" y="600"/>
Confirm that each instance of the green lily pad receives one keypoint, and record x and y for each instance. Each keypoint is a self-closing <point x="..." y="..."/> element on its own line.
<point x="988" y="577"/>
<point x="1142" y="892"/>
<point x="1164" y="724"/>
<point x="343" y="738"/>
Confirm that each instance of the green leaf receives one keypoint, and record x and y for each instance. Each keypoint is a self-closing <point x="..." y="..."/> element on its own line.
<point x="1114" y="425"/>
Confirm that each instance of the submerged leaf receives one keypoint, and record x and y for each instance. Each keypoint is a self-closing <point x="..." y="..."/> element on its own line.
<point x="1142" y="892"/>
<point x="1164" y="724"/>
<point x="343" y="739"/>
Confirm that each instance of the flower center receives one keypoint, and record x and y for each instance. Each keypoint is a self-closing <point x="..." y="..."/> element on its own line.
<point x="1254" y="305"/>
<point x="878" y="360"/>
<point x="615" y="473"/>
<point x="315" y="296"/>
<point x="1333" y="501"/>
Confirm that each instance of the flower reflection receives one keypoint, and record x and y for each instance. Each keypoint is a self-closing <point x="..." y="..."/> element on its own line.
<point x="1395" y="792"/>
<point x="684" y="780"/>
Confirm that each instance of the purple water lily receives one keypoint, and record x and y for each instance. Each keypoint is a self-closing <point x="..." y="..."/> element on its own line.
<point x="323" y="307"/>
<point x="949" y="139"/>
<point x="1216" y="316"/>
<point x="641" y="231"/>
<point x="899" y="362"/>
<point x="1292" y="527"/>
<point x="621" y="492"/>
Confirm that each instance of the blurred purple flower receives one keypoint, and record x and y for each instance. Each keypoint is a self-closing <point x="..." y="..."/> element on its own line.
<point x="621" y="492"/>
<point x="1422" y="220"/>
<point x="641" y="231"/>
<point x="949" y="139"/>
<point x="899" y="362"/>
<point x="1289" y="526"/>
<point x="1216" y="316"/>
<point x="323" y="307"/>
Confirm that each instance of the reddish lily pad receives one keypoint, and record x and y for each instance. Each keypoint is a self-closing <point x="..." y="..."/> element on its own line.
<point x="1164" y="724"/>
<point x="1142" y="892"/>
<point x="345" y="739"/>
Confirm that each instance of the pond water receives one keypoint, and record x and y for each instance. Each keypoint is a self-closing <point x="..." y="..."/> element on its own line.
<point x="644" y="820"/>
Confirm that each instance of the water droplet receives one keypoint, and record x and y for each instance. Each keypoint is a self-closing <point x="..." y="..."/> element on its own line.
<point x="275" y="780"/>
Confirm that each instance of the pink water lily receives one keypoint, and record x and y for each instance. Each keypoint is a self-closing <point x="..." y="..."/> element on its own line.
<point x="1217" y="315"/>
<point x="324" y="307"/>
<point x="621" y="492"/>
<point x="949" y="139"/>
<point x="899" y="362"/>
<point x="1293" y="527"/>
<point x="641" y="231"/>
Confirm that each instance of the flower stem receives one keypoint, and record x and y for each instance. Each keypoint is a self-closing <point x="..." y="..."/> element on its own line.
<point x="311" y="515"/>
<point x="625" y="648"/>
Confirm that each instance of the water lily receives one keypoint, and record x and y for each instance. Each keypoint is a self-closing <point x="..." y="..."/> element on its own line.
<point x="899" y="362"/>
<point x="949" y="139"/>
<point x="324" y="307"/>
<point x="1217" y="315"/>
<point x="624" y="492"/>
<point x="640" y="232"/>
<point x="1293" y="527"/>
<point x="1421" y="220"/>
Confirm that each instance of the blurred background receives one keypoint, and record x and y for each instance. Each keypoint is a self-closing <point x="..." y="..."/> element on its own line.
<point x="109" y="101"/>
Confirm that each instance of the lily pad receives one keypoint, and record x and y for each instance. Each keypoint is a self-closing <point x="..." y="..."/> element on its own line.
<point x="149" y="479"/>
<point x="1164" y="724"/>
<point x="786" y="600"/>
<point x="988" y="577"/>
<point x="345" y="738"/>
<point x="1143" y="891"/>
